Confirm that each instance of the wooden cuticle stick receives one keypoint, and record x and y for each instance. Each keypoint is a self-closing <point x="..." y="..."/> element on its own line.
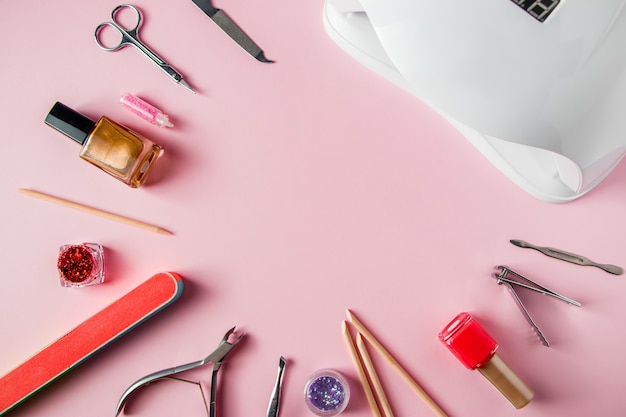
<point x="369" y="394"/>
<point x="94" y="211"/>
<point x="395" y="365"/>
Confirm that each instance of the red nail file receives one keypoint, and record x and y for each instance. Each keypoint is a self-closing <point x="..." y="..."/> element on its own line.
<point x="88" y="338"/>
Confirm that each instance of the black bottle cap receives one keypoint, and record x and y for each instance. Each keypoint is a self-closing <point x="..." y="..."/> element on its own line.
<point x="69" y="122"/>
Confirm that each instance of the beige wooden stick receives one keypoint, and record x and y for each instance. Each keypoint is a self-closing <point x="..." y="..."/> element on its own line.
<point x="359" y="368"/>
<point x="95" y="211"/>
<point x="405" y="375"/>
<point x="373" y="377"/>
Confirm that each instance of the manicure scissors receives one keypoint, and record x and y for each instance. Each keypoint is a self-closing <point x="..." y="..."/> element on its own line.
<point x="216" y="357"/>
<point x="131" y="37"/>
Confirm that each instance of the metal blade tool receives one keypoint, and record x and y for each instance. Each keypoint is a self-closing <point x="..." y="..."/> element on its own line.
<point x="231" y="28"/>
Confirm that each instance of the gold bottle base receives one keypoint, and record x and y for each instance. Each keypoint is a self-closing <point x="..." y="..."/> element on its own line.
<point x="507" y="382"/>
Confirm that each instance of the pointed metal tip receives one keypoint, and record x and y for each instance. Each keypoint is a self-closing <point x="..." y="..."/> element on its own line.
<point x="518" y="242"/>
<point x="261" y="58"/>
<point x="185" y="84"/>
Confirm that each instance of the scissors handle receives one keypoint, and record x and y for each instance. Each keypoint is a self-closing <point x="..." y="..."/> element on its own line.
<point x="123" y="42"/>
<point x="133" y="8"/>
<point x="127" y="35"/>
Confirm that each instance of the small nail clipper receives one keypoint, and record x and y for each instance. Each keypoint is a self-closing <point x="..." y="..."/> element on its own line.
<point x="505" y="276"/>
<point x="216" y="357"/>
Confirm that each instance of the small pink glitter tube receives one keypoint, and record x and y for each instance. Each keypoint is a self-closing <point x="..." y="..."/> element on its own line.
<point x="145" y="110"/>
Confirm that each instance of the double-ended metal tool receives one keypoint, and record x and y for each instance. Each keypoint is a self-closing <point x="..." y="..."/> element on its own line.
<point x="509" y="278"/>
<point x="216" y="357"/>
<point x="568" y="257"/>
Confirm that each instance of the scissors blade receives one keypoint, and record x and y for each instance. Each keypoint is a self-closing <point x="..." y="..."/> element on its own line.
<point x="231" y="28"/>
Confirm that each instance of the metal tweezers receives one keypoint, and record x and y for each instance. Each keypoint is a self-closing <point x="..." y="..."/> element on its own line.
<point x="217" y="356"/>
<point x="502" y="275"/>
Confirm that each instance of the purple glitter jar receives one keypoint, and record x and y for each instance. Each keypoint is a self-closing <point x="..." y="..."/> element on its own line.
<point x="326" y="393"/>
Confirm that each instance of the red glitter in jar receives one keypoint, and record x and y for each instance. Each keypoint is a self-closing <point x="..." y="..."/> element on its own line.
<point x="80" y="265"/>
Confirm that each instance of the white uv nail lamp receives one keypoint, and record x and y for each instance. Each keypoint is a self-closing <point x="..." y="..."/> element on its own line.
<point x="538" y="86"/>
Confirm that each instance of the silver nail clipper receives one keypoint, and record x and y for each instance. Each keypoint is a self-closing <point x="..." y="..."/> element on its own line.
<point x="505" y="276"/>
<point x="216" y="357"/>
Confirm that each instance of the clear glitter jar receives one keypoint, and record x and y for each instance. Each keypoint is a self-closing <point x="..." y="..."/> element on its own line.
<point x="326" y="393"/>
<point x="80" y="265"/>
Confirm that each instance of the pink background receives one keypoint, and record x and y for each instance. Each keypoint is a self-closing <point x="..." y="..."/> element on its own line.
<point x="294" y="190"/>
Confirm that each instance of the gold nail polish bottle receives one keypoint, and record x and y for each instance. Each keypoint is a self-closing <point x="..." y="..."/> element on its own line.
<point x="108" y="145"/>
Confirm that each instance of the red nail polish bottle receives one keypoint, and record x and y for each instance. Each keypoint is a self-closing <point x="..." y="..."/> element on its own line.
<point x="476" y="349"/>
